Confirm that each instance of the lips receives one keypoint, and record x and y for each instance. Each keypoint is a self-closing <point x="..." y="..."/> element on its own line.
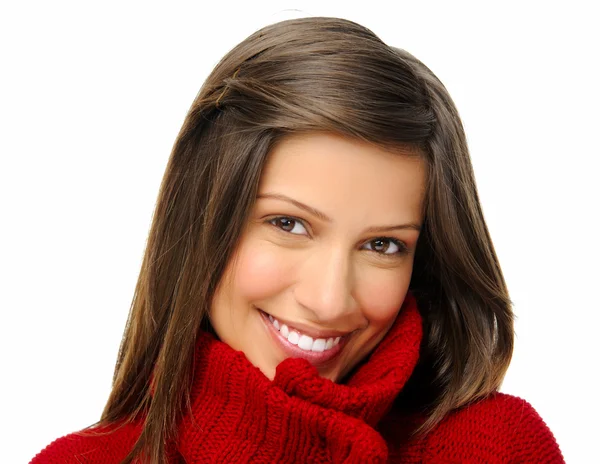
<point x="297" y="345"/>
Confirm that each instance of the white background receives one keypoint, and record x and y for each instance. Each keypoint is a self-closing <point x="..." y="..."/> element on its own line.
<point x="92" y="96"/>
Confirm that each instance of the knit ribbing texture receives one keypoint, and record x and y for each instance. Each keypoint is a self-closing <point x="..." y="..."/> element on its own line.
<point x="238" y="415"/>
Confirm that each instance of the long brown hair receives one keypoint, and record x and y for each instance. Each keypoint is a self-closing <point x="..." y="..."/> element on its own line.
<point x="324" y="74"/>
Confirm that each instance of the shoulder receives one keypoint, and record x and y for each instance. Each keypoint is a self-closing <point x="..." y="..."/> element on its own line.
<point x="498" y="428"/>
<point x="106" y="445"/>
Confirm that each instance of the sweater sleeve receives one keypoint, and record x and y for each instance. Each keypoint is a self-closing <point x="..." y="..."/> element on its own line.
<point x="499" y="429"/>
<point x="102" y="445"/>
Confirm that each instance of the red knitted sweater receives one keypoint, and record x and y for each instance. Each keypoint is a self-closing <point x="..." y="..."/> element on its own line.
<point x="240" y="416"/>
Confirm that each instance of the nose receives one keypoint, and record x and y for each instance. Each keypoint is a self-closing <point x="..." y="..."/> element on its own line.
<point x="325" y="287"/>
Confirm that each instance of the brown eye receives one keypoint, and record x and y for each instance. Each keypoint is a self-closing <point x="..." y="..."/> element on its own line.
<point x="387" y="246"/>
<point x="288" y="224"/>
<point x="380" y="245"/>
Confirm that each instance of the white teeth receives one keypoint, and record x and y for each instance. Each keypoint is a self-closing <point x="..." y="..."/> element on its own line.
<point x="304" y="341"/>
<point x="284" y="330"/>
<point x="319" y="345"/>
<point x="293" y="338"/>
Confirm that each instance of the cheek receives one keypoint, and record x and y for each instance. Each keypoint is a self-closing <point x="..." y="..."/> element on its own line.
<point x="381" y="294"/>
<point x="259" y="272"/>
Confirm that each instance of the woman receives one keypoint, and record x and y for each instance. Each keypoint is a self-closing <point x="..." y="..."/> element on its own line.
<point x="319" y="284"/>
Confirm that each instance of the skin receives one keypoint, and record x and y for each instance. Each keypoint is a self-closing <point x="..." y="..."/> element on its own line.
<point x="332" y="275"/>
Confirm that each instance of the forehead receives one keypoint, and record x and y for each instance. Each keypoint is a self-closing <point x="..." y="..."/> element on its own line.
<point x="339" y="173"/>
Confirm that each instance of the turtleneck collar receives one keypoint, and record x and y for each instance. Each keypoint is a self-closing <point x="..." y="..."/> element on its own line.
<point x="239" y="413"/>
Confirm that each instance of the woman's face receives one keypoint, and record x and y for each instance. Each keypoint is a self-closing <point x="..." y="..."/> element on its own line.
<point x="328" y="252"/>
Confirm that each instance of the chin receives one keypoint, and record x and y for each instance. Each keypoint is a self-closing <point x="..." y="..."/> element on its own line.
<point x="331" y="376"/>
<point x="270" y="374"/>
<point x="333" y="373"/>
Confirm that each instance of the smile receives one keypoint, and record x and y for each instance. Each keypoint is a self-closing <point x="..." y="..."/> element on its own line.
<point x="303" y="341"/>
<point x="298" y="345"/>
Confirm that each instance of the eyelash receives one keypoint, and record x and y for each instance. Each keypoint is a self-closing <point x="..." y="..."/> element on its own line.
<point x="402" y="248"/>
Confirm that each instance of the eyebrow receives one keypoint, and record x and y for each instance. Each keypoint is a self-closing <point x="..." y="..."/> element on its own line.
<point x="323" y="217"/>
